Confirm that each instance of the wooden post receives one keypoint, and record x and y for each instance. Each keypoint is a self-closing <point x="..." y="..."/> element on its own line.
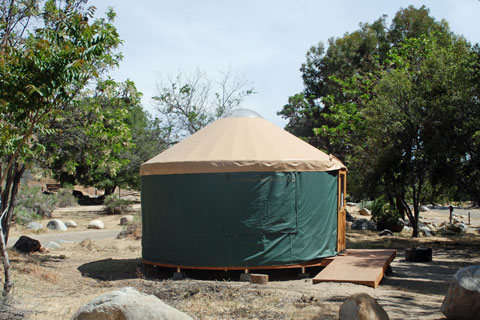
<point x="451" y="213"/>
<point x="469" y="217"/>
<point x="259" y="278"/>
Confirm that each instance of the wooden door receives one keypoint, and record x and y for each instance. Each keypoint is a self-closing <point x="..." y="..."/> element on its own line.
<point x="342" y="213"/>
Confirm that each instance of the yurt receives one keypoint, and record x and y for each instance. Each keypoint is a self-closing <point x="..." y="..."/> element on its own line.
<point x="242" y="193"/>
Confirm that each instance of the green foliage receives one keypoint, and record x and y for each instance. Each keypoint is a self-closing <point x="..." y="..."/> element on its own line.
<point x="65" y="198"/>
<point x="24" y="216"/>
<point x="383" y="214"/>
<point x="48" y="54"/>
<point x="90" y="135"/>
<point x="115" y="205"/>
<point x="398" y="105"/>
<point x="32" y="202"/>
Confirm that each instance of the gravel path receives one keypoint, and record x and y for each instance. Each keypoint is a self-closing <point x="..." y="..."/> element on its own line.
<point x="71" y="236"/>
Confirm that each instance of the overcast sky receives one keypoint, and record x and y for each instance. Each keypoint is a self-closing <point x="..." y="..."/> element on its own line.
<point x="265" y="40"/>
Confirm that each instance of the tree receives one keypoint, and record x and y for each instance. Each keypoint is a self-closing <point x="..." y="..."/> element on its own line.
<point x="90" y="135"/>
<point x="392" y="102"/>
<point x="48" y="55"/>
<point x="412" y="111"/>
<point x="188" y="102"/>
<point x="354" y="55"/>
<point x="102" y="138"/>
<point x="148" y="140"/>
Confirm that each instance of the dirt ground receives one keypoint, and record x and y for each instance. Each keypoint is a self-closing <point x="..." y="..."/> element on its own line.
<point x="54" y="285"/>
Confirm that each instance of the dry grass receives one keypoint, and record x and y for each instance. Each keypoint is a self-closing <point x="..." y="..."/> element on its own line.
<point x="233" y="300"/>
<point x="87" y="244"/>
<point x="39" y="272"/>
<point x="9" y="311"/>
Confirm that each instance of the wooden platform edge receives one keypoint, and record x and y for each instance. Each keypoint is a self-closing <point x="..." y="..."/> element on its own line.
<point x="313" y="263"/>
<point x="374" y="283"/>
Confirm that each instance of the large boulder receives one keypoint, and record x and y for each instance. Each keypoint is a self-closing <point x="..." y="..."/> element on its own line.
<point x="462" y="300"/>
<point x="128" y="304"/>
<point x="364" y="212"/>
<point x="349" y="217"/>
<point x="27" y="245"/>
<point x="96" y="224"/>
<point x="56" y="224"/>
<point x="35" y="226"/>
<point x="364" y="224"/>
<point x="53" y="245"/>
<point x="424" y="209"/>
<point x="361" y="306"/>
<point x="386" y="232"/>
<point x="71" y="224"/>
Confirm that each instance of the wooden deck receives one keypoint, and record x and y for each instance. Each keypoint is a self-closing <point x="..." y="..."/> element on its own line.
<point x="360" y="266"/>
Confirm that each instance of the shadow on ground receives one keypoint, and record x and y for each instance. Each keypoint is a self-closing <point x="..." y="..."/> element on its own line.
<point x="112" y="269"/>
<point x="125" y="269"/>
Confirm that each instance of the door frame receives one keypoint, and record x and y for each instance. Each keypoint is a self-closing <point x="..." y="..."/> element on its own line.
<point x="341" y="209"/>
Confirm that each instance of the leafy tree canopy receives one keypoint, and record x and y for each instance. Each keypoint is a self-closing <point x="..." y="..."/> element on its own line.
<point x="49" y="52"/>
<point x="398" y="105"/>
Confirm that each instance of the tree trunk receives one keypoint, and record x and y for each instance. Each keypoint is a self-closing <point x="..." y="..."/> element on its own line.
<point x="7" y="284"/>
<point x="7" y="205"/>
<point x="13" y="196"/>
<point x="109" y="191"/>
<point x="412" y="216"/>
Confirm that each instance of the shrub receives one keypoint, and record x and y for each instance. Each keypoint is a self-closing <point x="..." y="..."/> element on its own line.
<point x="383" y="214"/>
<point x="33" y="200"/>
<point x="115" y="205"/>
<point x="24" y="216"/>
<point x="65" y="198"/>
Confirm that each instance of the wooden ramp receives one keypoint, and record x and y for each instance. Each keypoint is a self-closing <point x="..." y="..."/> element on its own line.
<point x="360" y="266"/>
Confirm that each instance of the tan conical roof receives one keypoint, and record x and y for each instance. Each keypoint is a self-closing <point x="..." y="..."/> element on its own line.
<point x="240" y="145"/>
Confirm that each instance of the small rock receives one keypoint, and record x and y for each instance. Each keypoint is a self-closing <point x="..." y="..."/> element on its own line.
<point x="56" y="224"/>
<point x="386" y="232"/>
<point x="61" y="241"/>
<point x="424" y="209"/>
<point x="351" y="204"/>
<point x="71" y="224"/>
<point x="462" y="300"/>
<point x="455" y="227"/>
<point x="35" y="226"/>
<point x="362" y="306"/>
<point x="128" y="303"/>
<point x="425" y="230"/>
<point x="349" y="217"/>
<point x="463" y="228"/>
<point x="407" y="229"/>
<point x="364" y="212"/>
<point x="27" y="245"/>
<point x="360" y="224"/>
<point x="53" y="245"/>
<point x="348" y="225"/>
<point x="128" y="219"/>
<point x="96" y="224"/>
<point x="371" y="226"/>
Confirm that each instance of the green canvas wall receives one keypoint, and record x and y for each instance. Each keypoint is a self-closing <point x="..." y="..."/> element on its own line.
<point x="239" y="219"/>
